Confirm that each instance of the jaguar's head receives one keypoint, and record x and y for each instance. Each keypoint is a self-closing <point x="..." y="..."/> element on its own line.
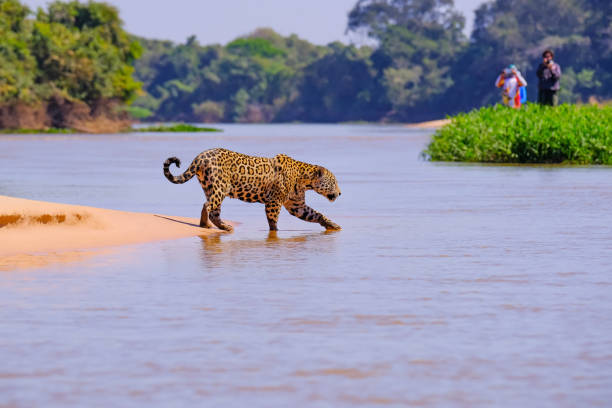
<point x="324" y="182"/>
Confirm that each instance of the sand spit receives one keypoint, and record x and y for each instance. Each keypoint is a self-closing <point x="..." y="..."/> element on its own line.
<point x="35" y="233"/>
<point x="432" y="124"/>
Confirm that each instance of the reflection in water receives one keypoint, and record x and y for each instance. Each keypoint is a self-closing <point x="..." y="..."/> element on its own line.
<point x="224" y="250"/>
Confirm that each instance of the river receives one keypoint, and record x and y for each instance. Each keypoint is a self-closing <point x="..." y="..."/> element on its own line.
<point x="449" y="285"/>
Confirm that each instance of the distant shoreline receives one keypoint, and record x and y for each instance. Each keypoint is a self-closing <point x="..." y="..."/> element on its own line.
<point x="154" y="128"/>
<point x="186" y="128"/>
<point x="36" y="233"/>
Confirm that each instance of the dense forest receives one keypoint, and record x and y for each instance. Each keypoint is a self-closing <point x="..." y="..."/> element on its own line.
<point x="76" y="57"/>
<point x="71" y="66"/>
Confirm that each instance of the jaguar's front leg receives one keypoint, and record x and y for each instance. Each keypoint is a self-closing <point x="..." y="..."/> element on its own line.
<point x="329" y="224"/>
<point x="298" y="208"/>
<point x="272" y="212"/>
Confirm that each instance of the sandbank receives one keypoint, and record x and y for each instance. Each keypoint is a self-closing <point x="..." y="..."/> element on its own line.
<point x="35" y="233"/>
<point x="432" y="124"/>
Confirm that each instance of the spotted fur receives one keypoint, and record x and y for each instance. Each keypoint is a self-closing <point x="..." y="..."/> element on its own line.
<point x="275" y="182"/>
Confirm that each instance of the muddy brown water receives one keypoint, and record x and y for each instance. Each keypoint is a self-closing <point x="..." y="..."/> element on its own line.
<point x="450" y="284"/>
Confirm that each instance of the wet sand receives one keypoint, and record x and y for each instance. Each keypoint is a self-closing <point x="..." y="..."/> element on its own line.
<point x="35" y="233"/>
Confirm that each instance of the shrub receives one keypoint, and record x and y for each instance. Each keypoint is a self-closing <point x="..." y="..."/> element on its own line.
<point x="534" y="134"/>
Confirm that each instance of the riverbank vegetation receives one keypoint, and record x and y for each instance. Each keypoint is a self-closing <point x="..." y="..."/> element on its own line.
<point x="419" y="64"/>
<point x="69" y="66"/>
<point x="176" y="128"/>
<point x="535" y="134"/>
<point x="25" y="131"/>
<point x="72" y="65"/>
<point x="173" y="128"/>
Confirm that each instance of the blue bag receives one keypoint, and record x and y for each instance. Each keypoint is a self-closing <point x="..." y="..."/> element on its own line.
<point x="523" y="94"/>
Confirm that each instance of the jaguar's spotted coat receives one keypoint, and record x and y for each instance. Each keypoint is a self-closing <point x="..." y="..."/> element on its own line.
<point x="275" y="182"/>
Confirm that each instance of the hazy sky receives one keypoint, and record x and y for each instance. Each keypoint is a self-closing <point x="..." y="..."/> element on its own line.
<point x="220" y="21"/>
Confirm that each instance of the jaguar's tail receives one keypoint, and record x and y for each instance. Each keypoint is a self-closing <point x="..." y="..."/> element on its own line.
<point x="188" y="174"/>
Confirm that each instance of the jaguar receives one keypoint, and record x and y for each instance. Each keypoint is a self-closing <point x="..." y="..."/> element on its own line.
<point x="276" y="182"/>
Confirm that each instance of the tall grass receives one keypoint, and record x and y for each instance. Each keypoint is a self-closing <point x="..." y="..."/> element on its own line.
<point x="179" y="127"/>
<point x="534" y="134"/>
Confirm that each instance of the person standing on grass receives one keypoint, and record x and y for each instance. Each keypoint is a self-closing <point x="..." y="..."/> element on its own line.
<point x="510" y="80"/>
<point x="549" y="74"/>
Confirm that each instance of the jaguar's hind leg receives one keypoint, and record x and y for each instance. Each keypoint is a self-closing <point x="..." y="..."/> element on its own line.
<point x="204" y="221"/>
<point x="207" y="189"/>
<point x="213" y="207"/>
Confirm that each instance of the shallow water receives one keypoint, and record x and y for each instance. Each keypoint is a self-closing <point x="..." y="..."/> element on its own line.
<point x="450" y="285"/>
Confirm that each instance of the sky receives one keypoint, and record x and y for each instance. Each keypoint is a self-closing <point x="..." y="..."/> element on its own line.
<point x="221" y="21"/>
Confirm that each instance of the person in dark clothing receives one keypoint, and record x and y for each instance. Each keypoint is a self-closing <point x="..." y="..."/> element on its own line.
<point x="549" y="74"/>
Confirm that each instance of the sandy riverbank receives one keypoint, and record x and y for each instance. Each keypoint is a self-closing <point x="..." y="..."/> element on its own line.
<point x="35" y="233"/>
<point x="432" y="124"/>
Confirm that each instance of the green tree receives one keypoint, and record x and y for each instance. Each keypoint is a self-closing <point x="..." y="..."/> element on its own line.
<point x="83" y="50"/>
<point x="251" y="79"/>
<point x="72" y="54"/>
<point x="340" y="86"/>
<point x="417" y="41"/>
<point x="17" y="66"/>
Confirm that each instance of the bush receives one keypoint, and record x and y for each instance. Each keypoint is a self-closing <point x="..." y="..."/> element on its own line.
<point x="534" y="134"/>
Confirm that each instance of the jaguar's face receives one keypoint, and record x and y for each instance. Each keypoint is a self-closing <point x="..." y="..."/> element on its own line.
<point x="325" y="183"/>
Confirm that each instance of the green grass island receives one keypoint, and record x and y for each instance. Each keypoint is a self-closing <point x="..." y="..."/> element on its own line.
<point x="567" y="134"/>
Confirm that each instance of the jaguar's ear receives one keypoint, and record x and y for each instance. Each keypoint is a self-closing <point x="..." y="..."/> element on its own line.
<point x="319" y="172"/>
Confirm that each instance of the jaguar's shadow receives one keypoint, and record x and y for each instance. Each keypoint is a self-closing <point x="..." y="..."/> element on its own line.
<point x="179" y="221"/>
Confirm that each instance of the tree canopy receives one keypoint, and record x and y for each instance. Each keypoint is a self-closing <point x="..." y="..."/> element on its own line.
<point x="418" y="64"/>
<point x="73" y="50"/>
